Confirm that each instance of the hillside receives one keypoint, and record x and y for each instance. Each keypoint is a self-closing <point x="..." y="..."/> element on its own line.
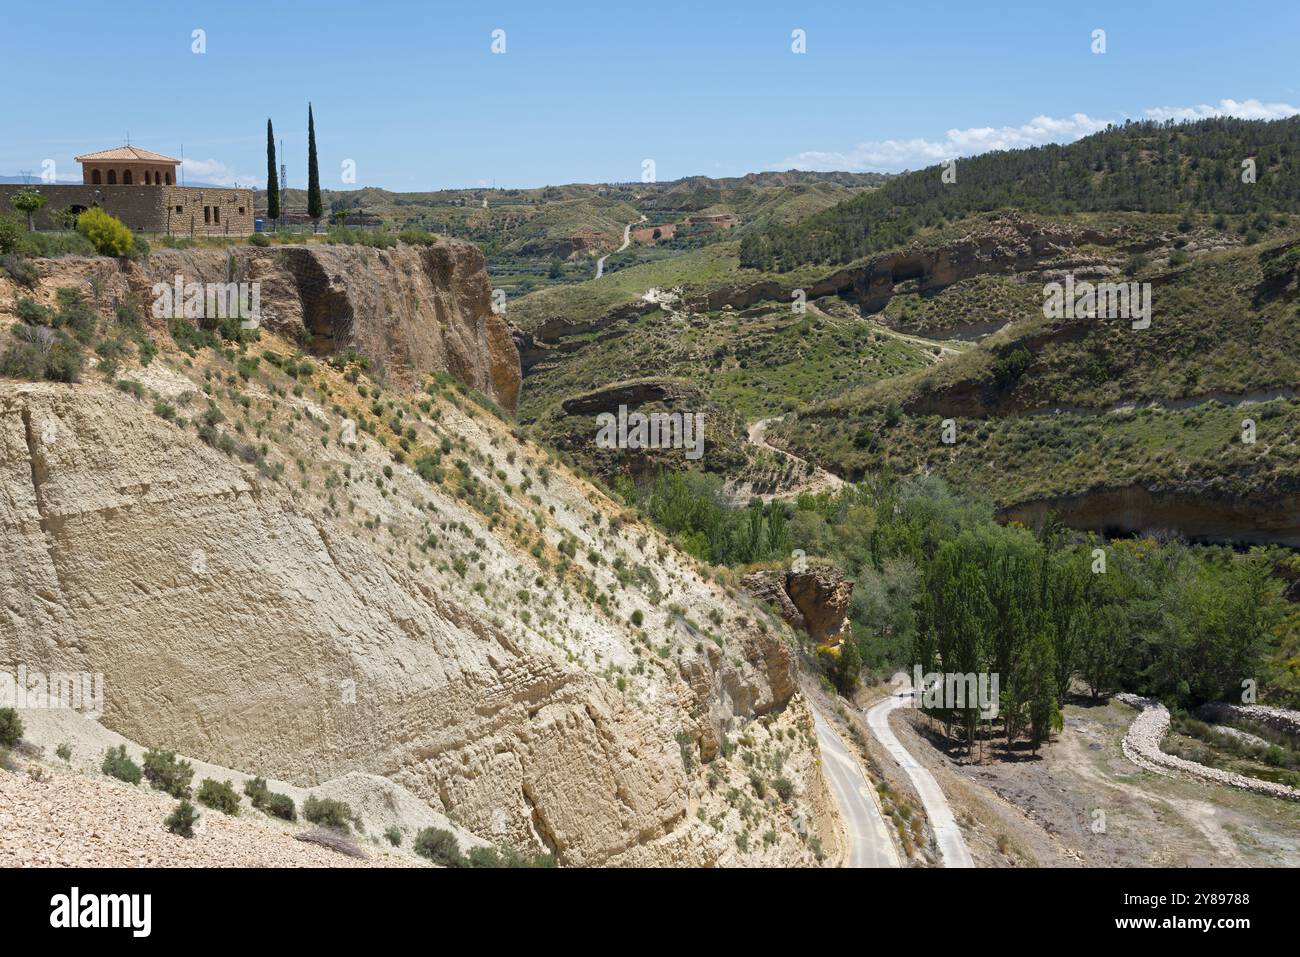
<point x="1140" y="166"/>
<point x="357" y="565"/>
<point x="1111" y="428"/>
<point x="539" y="238"/>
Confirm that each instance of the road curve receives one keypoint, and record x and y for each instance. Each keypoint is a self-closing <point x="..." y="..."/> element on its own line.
<point x="952" y="846"/>
<point x="627" y="238"/>
<point x="869" y="843"/>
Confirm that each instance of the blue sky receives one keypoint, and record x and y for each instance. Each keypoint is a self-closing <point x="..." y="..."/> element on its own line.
<point x="411" y="92"/>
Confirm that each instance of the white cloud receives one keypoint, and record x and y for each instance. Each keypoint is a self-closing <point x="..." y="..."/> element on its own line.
<point x="217" y="173"/>
<point x="1244" y="110"/>
<point x="897" y="155"/>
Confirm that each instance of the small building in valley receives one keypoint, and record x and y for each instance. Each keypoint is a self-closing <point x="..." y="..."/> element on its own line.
<point x="139" y="187"/>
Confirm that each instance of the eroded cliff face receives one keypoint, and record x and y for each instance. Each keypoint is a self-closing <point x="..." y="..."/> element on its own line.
<point x="331" y="618"/>
<point x="813" y="599"/>
<point x="411" y="310"/>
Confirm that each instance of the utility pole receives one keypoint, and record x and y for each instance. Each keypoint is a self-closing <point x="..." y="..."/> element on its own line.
<point x="284" y="178"/>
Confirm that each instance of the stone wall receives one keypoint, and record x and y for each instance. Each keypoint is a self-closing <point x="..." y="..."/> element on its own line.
<point x="178" y="210"/>
<point x="1142" y="746"/>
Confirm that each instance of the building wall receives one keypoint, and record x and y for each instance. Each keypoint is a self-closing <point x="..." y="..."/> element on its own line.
<point x="165" y="172"/>
<point x="178" y="210"/>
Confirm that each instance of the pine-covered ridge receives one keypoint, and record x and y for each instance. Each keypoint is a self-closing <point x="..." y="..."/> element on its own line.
<point x="1139" y="166"/>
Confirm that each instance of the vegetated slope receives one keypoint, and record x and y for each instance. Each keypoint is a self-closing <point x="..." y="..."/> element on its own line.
<point x="284" y="566"/>
<point x="1113" y="427"/>
<point x="548" y="235"/>
<point x="1144" y="166"/>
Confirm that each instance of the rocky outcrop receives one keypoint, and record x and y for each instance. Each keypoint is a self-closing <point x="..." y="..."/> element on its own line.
<point x="1268" y="517"/>
<point x="411" y="310"/>
<point x="1142" y="746"/>
<point x="631" y="394"/>
<point x="815" y="600"/>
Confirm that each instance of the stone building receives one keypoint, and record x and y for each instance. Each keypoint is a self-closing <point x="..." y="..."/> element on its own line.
<point x="139" y="188"/>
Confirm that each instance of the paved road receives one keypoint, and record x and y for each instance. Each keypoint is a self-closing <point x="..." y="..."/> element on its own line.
<point x="869" y="843"/>
<point x="952" y="846"/>
<point x="627" y="238"/>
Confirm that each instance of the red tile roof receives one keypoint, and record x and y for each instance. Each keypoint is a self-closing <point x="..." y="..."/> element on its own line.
<point x="129" y="154"/>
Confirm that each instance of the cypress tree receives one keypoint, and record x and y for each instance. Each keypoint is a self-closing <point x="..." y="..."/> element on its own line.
<point x="314" y="209"/>
<point x="272" y="178"/>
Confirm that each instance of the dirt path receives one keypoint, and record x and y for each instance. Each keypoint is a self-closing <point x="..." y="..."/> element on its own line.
<point x="627" y="239"/>
<point x="819" y="480"/>
<point x="929" y="345"/>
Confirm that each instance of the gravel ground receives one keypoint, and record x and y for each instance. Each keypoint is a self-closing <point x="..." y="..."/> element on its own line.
<point x="70" y="819"/>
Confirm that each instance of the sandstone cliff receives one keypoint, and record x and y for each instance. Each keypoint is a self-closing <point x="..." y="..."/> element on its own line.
<point x="266" y="583"/>
<point x="410" y="310"/>
<point x="813" y="599"/>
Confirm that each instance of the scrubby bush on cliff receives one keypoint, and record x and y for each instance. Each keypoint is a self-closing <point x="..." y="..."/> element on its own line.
<point x="264" y="799"/>
<point x="439" y="846"/>
<point x="220" y="796"/>
<point x="181" y="821"/>
<point x="281" y="806"/>
<point x="19" y="270"/>
<point x="11" y="727"/>
<point x="118" y="765"/>
<point x="327" y="812"/>
<point x="168" y="773"/>
<point x="10" y="232"/>
<point x="108" y="234"/>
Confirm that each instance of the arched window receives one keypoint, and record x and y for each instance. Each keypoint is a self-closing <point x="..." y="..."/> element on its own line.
<point x="94" y="177"/>
<point x="126" y="177"/>
<point x="169" y="179"/>
<point x="147" y="178"/>
<point x="112" y="177"/>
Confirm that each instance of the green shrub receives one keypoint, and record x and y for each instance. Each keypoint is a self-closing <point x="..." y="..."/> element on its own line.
<point x="167" y="773"/>
<point x="23" y="360"/>
<point x="327" y="812"/>
<point x="64" y="751"/>
<point x="33" y="313"/>
<point x="11" y="231"/>
<point x="63" y="361"/>
<point x="181" y="821"/>
<point x="11" y="727"/>
<point x="256" y="791"/>
<point x="484" y="857"/>
<point x="783" y="788"/>
<point x="19" y="270"/>
<point x="439" y="846"/>
<point x="118" y="765"/>
<point x="108" y="234"/>
<point x="281" y="806"/>
<point x="394" y="836"/>
<point x="259" y="240"/>
<point x="638" y="617"/>
<point x="220" y="796"/>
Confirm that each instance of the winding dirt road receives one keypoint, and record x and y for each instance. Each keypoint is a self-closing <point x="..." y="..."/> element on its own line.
<point x="952" y="846"/>
<point x="627" y="239"/>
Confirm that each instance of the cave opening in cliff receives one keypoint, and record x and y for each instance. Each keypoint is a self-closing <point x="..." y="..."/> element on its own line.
<point x="907" y="269"/>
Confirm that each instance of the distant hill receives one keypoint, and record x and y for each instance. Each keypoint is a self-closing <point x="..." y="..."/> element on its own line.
<point x="1143" y="167"/>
